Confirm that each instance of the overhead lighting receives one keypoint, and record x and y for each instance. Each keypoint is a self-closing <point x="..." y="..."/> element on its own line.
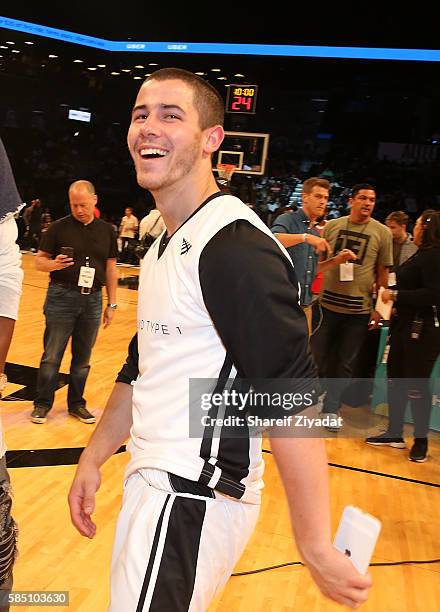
<point x="137" y="77"/>
<point x="91" y="68"/>
<point x="53" y="56"/>
<point x="200" y="73"/>
<point x="216" y="69"/>
<point x="239" y="75"/>
<point x="101" y="65"/>
<point x="115" y="73"/>
<point x="147" y="75"/>
<point x="15" y="51"/>
<point x="28" y="42"/>
<point x="3" y="47"/>
<point x="126" y="70"/>
<point x="78" y="61"/>
<point x="153" y="64"/>
<point x="139" y="66"/>
<point x="10" y="42"/>
<point x="222" y="79"/>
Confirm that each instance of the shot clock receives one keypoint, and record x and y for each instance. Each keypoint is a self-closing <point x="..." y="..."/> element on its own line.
<point x="242" y="99"/>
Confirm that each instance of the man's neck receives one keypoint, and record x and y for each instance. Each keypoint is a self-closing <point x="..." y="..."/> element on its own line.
<point x="354" y="218"/>
<point x="401" y="239"/>
<point x="176" y="205"/>
<point x="310" y="217"/>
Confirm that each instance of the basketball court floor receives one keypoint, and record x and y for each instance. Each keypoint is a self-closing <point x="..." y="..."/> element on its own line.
<point x="54" y="557"/>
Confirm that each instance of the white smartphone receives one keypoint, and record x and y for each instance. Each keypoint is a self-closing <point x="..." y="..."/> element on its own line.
<point x="356" y="536"/>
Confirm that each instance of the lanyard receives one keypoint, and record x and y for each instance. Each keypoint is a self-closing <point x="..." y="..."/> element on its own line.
<point x="364" y="230"/>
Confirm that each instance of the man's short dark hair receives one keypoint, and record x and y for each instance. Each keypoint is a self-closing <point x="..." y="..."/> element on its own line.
<point x="359" y="187"/>
<point x="399" y="217"/>
<point x="207" y="100"/>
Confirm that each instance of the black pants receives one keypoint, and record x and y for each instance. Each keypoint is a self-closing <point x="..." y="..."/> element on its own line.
<point x="410" y="363"/>
<point x="336" y="347"/>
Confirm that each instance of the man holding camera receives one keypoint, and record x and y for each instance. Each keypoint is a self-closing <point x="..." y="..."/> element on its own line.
<point x="79" y="251"/>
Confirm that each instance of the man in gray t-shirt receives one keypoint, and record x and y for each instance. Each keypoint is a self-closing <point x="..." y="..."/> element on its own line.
<point x="347" y="290"/>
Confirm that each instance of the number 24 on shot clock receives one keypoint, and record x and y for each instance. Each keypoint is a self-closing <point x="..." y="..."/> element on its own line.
<point x="242" y="99"/>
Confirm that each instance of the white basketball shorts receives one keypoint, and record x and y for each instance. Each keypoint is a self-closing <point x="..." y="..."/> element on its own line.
<point x="174" y="551"/>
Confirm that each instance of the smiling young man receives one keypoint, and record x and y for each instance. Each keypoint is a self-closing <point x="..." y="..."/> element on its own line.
<point x="225" y="305"/>
<point x="347" y="290"/>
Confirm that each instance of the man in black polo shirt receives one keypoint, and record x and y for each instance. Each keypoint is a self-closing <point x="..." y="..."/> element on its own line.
<point x="80" y="253"/>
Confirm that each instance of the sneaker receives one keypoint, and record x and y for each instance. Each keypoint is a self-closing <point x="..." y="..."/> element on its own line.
<point x="39" y="414"/>
<point x="82" y="414"/>
<point x="332" y="421"/>
<point x="419" y="450"/>
<point x="385" y="440"/>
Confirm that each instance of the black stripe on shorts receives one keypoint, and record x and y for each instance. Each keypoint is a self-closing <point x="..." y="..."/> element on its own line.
<point x="177" y="572"/>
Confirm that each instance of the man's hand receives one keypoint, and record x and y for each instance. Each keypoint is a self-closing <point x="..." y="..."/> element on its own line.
<point x="387" y="296"/>
<point x="338" y="579"/>
<point x="344" y="256"/>
<point x="375" y="320"/>
<point x="319" y="244"/>
<point x="61" y="262"/>
<point x="82" y="498"/>
<point x="108" y="316"/>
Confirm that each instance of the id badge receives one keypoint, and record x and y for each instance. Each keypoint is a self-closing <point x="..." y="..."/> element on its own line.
<point x="392" y="281"/>
<point x="346" y="271"/>
<point x="86" y="277"/>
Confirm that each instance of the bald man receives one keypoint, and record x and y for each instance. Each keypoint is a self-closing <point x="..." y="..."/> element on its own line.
<point x="79" y="251"/>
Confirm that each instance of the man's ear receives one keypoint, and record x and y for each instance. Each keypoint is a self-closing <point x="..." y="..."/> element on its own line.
<point x="214" y="138"/>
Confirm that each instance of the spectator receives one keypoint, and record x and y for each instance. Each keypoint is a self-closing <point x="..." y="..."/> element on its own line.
<point x="347" y="293"/>
<point x="403" y="245"/>
<point x="73" y="306"/>
<point x="414" y="339"/>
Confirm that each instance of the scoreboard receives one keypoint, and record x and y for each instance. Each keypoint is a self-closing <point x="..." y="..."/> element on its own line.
<point x="242" y="99"/>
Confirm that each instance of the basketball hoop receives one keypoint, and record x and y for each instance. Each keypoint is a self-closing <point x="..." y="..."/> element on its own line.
<point x="225" y="172"/>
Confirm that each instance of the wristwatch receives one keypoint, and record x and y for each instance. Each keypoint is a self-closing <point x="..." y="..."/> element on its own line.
<point x="3" y="381"/>
<point x="113" y="306"/>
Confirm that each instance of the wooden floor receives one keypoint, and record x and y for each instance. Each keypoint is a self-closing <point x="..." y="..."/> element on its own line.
<point x="53" y="556"/>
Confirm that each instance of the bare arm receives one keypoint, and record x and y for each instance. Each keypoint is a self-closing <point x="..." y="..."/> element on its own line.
<point x="45" y="263"/>
<point x="342" y="257"/>
<point x="6" y="331"/>
<point x="319" y="244"/>
<point x="381" y="277"/>
<point x="112" y="431"/>
<point x="111" y="283"/>
<point x="302" y="464"/>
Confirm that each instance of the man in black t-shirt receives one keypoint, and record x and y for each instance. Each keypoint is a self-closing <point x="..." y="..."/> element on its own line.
<point x="80" y="253"/>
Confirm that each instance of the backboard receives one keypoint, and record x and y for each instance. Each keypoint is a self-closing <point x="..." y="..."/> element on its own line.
<point x="246" y="150"/>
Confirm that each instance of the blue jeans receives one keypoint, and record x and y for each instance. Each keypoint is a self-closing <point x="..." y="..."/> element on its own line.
<point x="336" y="347"/>
<point x="68" y="314"/>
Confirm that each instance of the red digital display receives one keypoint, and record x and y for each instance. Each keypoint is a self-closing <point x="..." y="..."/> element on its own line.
<point x="242" y="99"/>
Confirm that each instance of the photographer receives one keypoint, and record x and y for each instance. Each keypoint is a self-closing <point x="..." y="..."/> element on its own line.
<point x="414" y="339"/>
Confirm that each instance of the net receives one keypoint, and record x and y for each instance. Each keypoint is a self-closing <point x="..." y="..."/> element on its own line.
<point x="225" y="172"/>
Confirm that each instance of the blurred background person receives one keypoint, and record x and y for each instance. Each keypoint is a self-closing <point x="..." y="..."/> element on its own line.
<point x="128" y="230"/>
<point x="151" y="224"/>
<point x="414" y="339"/>
<point x="403" y="245"/>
